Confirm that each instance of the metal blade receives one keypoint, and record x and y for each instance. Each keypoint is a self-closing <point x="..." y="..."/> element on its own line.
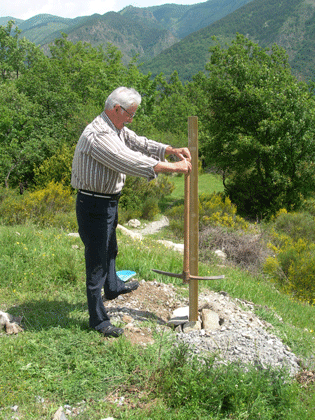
<point x="179" y="276"/>
<point x="206" y="278"/>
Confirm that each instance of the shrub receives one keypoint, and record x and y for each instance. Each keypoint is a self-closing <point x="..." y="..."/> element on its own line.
<point x="57" y="168"/>
<point x="293" y="262"/>
<point x="45" y="207"/>
<point x="243" y="249"/>
<point x="218" y="210"/>
<point x="293" y="266"/>
<point x="214" y="210"/>
<point x="139" y="198"/>
<point x="295" y="225"/>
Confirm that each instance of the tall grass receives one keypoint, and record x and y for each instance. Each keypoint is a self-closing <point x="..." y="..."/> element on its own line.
<point x="59" y="360"/>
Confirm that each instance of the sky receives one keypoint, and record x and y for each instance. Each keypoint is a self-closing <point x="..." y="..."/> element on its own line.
<point x="21" y="9"/>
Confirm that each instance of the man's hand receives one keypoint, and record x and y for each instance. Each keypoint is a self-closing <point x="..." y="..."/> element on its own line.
<point x="182" y="166"/>
<point x="182" y="152"/>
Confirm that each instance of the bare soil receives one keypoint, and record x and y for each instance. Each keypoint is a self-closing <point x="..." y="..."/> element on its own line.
<point x="152" y="301"/>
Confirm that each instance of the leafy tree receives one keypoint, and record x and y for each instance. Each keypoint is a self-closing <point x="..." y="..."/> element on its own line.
<point x="259" y="127"/>
<point x="15" y="53"/>
<point x="20" y="148"/>
<point x="171" y="108"/>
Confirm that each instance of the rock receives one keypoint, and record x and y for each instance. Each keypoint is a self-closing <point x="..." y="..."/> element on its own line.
<point x="4" y="319"/>
<point x="222" y="255"/>
<point x="134" y="223"/>
<point x="133" y="235"/>
<point x="210" y="320"/>
<point x="13" y="328"/>
<point x="179" y="316"/>
<point x="60" y="415"/>
<point x="191" y="326"/>
<point x="10" y="323"/>
<point x="169" y="244"/>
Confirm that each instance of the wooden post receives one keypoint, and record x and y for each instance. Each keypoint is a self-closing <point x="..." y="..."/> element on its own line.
<point x="193" y="218"/>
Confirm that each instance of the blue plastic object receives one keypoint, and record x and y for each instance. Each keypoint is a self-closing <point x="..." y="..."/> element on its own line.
<point x="125" y="275"/>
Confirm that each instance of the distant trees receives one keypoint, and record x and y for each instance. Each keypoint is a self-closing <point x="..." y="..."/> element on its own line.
<point x="46" y="101"/>
<point x="259" y="127"/>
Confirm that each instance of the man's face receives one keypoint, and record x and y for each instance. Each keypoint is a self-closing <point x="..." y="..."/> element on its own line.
<point x="124" y="115"/>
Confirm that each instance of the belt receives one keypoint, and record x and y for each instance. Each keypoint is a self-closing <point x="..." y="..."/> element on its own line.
<point x="100" y="195"/>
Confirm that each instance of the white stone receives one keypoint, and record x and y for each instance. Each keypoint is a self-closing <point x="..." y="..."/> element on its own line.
<point x="222" y="255"/>
<point x="210" y="320"/>
<point x="179" y="316"/>
<point x="134" y="223"/>
<point x="60" y="415"/>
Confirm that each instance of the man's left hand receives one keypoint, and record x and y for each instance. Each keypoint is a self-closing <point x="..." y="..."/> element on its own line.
<point x="182" y="152"/>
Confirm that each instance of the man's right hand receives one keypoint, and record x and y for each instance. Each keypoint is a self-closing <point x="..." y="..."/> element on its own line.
<point x="182" y="166"/>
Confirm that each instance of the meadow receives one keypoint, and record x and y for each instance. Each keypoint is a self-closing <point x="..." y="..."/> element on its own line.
<point x="58" y="360"/>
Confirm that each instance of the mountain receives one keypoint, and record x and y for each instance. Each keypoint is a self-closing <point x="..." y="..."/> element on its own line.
<point x="182" y="20"/>
<point x="288" y="23"/>
<point x="178" y="37"/>
<point x="144" y="31"/>
<point x="5" y="20"/>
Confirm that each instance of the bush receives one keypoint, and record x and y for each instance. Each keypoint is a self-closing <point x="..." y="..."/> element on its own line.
<point x="293" y="262"/>
<point x="299" y="225"/>
<point x="51" y="206"/>
<point x="217" y="210"/>
<point x="139" y="198"/>
<point x="293" y="266"/>
<point x="214" y="210"/>
<point x="57" y="168"/>
<point x="245" y="250"/>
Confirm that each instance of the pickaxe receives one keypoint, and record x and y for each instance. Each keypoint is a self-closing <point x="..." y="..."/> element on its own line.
<point x="185" y="275"/>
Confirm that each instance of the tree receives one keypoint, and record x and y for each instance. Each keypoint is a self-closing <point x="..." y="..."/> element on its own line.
<point x="259" y="126"/>
<point x="20" y="148"/>
<point x="15" y="53"/>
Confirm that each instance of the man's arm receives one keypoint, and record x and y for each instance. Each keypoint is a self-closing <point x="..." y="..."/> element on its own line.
<point x="182" y="166"/>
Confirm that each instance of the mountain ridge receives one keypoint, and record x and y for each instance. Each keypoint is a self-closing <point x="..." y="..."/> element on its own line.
<point x="178" y="37"/>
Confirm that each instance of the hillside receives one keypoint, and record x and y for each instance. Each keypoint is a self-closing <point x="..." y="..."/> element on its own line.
<point x="182" y="20"/>
<point x="289" y="23"/>
<point x="144" y="31"/>
<point x="178" y="37"/>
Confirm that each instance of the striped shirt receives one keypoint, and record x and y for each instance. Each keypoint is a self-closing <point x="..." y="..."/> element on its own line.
<point x="104" y="156"/>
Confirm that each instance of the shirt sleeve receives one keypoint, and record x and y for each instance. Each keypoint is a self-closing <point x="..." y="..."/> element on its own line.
<point x="110" y="150"/>
<point x="142" y="144"/>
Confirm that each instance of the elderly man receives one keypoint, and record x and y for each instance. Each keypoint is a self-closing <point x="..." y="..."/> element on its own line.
<point x="106" y="152"/>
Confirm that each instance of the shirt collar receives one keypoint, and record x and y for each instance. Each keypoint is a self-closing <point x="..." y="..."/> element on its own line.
<point x="109" y="122"/>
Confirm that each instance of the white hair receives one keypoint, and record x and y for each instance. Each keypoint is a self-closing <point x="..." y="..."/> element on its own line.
<point x="126" y="97"/>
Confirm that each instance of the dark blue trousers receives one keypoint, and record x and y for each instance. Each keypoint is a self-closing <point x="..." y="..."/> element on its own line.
<point x="97" y="220"/>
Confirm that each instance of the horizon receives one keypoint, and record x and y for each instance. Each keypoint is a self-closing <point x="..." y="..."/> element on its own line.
<point x="25" y="10"/>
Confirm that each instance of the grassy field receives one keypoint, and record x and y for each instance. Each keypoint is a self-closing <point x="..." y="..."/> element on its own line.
<point x="58" y="360"/>
<point x="207" y="183"/>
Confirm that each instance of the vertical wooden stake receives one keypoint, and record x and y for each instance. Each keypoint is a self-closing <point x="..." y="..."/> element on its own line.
<point x="193" y="218"/>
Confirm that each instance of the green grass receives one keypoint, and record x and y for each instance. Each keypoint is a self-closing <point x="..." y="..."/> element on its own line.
<point x="207" y="183"/>
<point x="59" y="359"/>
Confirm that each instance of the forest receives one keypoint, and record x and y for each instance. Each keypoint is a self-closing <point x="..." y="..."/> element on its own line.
<point x="256" y="120"/>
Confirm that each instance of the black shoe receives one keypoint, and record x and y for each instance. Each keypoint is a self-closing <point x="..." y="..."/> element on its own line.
<point x="112" y="331"/>
<point x="130" y="287"/>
